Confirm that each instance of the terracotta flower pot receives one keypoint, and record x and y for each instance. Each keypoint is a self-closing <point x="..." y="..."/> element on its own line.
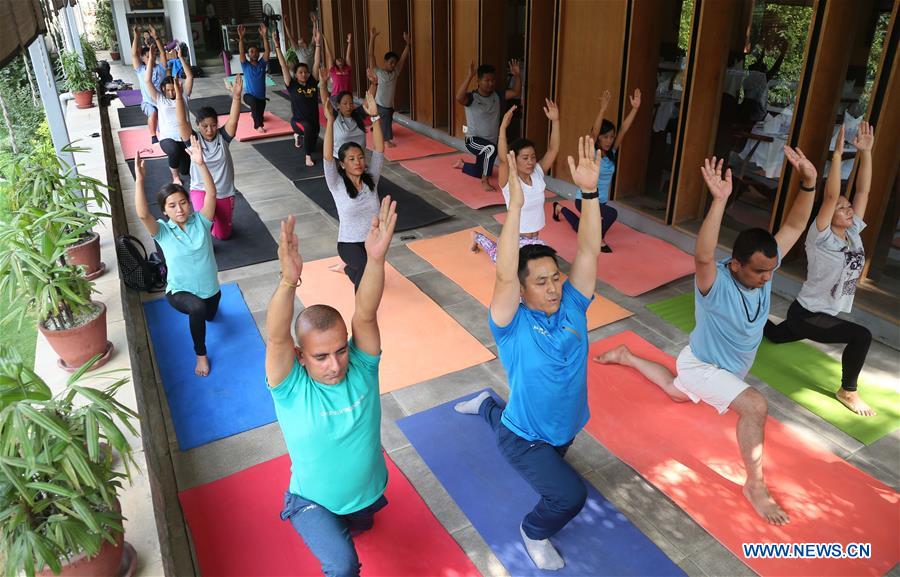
<point x="117" y="560"/>
<point x="84" y="99"/>
<point x="78" y="345"/>
<point x="115" y="55"/>
<point x="87" y="253"/>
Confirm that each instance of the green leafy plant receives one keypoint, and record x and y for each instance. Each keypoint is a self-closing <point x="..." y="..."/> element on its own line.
<point x="77" y="76"/>
<point x="89" y="53"/>
<point x="103" y="22"/>
<point x="43" y="216"/>
<point x="58" y="484"/>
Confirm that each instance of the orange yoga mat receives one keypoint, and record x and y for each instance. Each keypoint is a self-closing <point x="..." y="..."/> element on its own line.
<point x="419" y="340"/>
<point x="690" y="453"/>
<point x="237" y="530"/>
<point x="133" y="139"/>
<point x="475" y="273"/>
<point x="274" y="126"/>
<point x="410" y="144"/>
<point x="638" y="263"/>
<point x="439" y="171"/>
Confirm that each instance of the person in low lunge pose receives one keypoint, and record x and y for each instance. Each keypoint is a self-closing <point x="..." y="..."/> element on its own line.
<point x="326" y="392"/>
<point x="540" y="325"/>
<point x="731" y="300"/>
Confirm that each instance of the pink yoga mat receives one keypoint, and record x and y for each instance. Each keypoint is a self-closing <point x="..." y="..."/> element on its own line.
<point x="410" y="144"/>
<point x="438" y="170"/>
<point x="690" y="453"/>
<point x="638" y="263"/>
<point x="133" y="139"/>
<point x="237" y="530"/>
<point x="274" y="126"/>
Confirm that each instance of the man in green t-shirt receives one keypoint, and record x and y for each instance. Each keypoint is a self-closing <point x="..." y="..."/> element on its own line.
<point x="327" y="402"/>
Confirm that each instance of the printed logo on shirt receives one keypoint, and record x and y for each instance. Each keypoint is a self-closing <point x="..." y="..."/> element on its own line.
<point x="307" y="92"/>
<point x="345" y="410"/>
<point x="540" y="329"/>
<point x="853" y="265"/>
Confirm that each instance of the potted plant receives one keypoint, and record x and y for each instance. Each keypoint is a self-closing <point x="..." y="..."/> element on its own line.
<point x="34" y="271"/>
<point x="78" y="80"/>
<point x="106" y="28"/>
<point x="59" y="508"/>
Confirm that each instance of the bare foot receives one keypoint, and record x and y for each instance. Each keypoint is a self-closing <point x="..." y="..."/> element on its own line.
<point x="765" y="505"/>
<point x="176" y="179"/>
<point x="390" y="143"/>
<point x="297" y="141"/>
<point x="338" y="268"/>
<point x="309" y="161"/>
<point x="487" y="186"/>
<point x="261" y="130"/>
<point x="556" y="210"/>
<point x="616" y="356"/>
<point x="852" y="401"/>
<point x="458" y="164"/>
<point x="474" y="247"/>
<point x="202" y="368"/>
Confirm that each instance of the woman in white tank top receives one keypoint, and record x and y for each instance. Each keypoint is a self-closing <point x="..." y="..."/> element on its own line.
<point x="531" y="173"/>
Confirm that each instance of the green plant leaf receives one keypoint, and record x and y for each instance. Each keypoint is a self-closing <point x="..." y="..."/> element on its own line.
<point x="50" y="423"/>
<point x="85" y="514"/>
<point x="51" y="488"/>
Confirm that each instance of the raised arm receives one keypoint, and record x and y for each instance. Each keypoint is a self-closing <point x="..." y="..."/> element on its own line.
<point x="349" y="50"/>
<point x="291" y="43"/>
<point x="601" y="114"/>
<point x="184" y="127"/>
<point x="140" y="199"/>
<point x="152" y="92"/>
<point x="328" y="138"/>
<point x="404" y="56"/>
<point x="635" y="101"/>
<point x="516" y="72"/>
<point x="373" y="34"/>
<point x="503" y="146"/>
<point x="372" y="110"/>
<point x="160" y="49"/>
<point x="832" y="185"/>
<point x="583" y="276"/>
<point x="317" y="55"/>
<point x="552" y="113"/>
<point x="708" y="237"/>
<point x="329" y="59"/>
<point x="505" y="300"/>
<point x="364" y="323"/>
<point x="264" y="34"/>
<point x="241" y="51"/>
<point x="234" y="115"/>
<point x="865" y="139"/>
<point x="136" y="47"/>
<point x="209" y="185"/>
<point x="280" y="353"/>
<point x="285" y="71"/>
<point x="795" y="224"/>
<point x="188" y="85"/>
<point x="462" y="93"/>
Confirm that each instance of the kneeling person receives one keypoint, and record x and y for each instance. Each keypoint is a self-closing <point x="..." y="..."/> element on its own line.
<point x="327" y="403"/>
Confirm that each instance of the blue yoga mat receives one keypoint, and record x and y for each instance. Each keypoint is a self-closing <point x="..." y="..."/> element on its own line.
<point x="233" y="398"/>
<point x="462" y="452"/>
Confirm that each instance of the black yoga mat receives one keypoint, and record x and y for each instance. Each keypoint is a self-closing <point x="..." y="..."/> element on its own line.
<point x="132" y="116"/>
<point x="412" y="211"/>
<point x="221" y="104"/>
<point x="250" y="241"/>
<point x="289" y="160"/>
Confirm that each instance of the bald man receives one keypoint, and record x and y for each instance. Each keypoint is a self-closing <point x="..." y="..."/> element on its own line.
<point x="325" y="389"/>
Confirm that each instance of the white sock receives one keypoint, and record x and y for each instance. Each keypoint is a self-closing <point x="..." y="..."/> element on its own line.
<point x="543" y="553"/>
<point x="471" y="406"/>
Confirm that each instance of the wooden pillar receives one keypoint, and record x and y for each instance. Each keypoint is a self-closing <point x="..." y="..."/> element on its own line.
<point x="464" y="28"/>
<point x="429" y="63"/>
<point x="391" y="18"/>
<point x="591" y="38"/>
<point x="538" y="78"/>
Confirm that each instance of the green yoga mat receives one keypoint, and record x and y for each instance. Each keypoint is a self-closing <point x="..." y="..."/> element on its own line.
<point x="806" y="375"/>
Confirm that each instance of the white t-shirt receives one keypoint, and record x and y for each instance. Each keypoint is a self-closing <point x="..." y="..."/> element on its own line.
<point x="833" y="268"/>
<point x="168" y="117"/>
<point x="532" y="219"/>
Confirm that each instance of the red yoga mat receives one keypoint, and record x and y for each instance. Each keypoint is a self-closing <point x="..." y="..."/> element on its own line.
<point x="638" y="263"/>
<point x="274" y="126"/>
<point x="237" y="530"/>
<point x="410" y="144"/>
<point x="690" y="453"/>
<point x="133" y="139"/>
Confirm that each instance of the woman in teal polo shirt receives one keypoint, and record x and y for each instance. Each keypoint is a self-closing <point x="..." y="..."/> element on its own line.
<point x="192" y="283"/>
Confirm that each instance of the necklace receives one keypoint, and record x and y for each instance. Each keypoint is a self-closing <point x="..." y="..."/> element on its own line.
<point x="744" y="302"/>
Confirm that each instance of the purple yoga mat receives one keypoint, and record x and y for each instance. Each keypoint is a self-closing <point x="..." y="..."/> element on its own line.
<point x="130" y="97"/>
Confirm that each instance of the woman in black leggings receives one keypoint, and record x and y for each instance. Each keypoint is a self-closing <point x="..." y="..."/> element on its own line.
<point x="835" y="258"/>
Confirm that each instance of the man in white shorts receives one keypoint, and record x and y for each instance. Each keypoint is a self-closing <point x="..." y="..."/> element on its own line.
<point x="731" y="301"/>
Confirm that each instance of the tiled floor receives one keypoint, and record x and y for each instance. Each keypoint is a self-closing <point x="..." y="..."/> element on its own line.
<point x="685" y="542"/>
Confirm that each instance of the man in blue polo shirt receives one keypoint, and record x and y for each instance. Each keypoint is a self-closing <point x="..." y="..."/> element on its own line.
<point x="327" y="403"/>
<point x="731" y="300"/>
<point x="540" y="325"/>
<point x="254" y="65"/>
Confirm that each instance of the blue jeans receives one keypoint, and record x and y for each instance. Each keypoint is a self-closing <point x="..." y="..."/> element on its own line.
<point x="330" y="536"/>
<point x="543" y="465"/>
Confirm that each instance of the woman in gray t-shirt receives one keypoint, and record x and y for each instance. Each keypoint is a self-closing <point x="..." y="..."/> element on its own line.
<point x="353" y="185"/>
<point x="835" y="256"/>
